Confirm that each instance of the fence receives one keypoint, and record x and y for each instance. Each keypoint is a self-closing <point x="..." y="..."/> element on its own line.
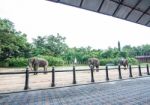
<point x="53" y="72"/>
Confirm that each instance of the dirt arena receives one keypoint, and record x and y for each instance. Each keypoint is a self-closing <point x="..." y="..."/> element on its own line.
<point x="16" y="82"/>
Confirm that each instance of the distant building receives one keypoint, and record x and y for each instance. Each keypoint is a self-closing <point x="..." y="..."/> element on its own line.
<point x="144" y="59"/>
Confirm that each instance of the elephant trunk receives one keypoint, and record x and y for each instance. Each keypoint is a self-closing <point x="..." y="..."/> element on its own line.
<point x="30" y="66"/>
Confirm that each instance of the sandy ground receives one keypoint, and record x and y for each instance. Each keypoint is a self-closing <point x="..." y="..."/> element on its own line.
<point x="16" y="82"/>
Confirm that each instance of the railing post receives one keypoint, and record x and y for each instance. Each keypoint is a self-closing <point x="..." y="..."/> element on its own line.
<point x="74" y="75"/>
<point x="26" y="79"/>
<point x="130" y="71"/>
<point x="107" y="76"/>
<point x="53" y="77"/>
<point x="147" y="69"/>
<point x="140" y="74"/>
<point x="92" y="76"/>
<point x="119" y="70"/>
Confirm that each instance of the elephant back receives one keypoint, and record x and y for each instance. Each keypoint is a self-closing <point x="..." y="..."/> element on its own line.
<point x="42" y="62"/>
<point x="123" y="62"/>
<point x="93" y="61"/>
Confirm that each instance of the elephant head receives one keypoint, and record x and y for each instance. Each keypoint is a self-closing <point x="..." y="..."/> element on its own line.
<point x="31" y="62"/>
<point x="35" y="63"/>
<point x="94" y="62"/>
<point x="123" y="62"/>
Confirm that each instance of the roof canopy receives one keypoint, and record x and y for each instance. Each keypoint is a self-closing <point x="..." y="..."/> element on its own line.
<point x="137" y="11"/>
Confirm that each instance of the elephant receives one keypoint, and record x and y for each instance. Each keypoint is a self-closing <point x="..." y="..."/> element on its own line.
<point x="35" y="63"/>
<point x="123" y="62"/>
<point x="94" y="62"/>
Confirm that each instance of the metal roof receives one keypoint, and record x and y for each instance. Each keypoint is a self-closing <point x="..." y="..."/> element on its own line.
<point x="137" y="11"/>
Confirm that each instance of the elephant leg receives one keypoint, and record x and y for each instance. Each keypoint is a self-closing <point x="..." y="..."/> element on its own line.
<point x="35" y="70"/>
<point x="97" y="68"/>
<point x="93" y="68"/>
<point x="125" y="67"/>
<point x="45" y="70"/>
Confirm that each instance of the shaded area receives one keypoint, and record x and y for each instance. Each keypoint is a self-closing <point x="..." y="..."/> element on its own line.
<point x="130" y="92"/>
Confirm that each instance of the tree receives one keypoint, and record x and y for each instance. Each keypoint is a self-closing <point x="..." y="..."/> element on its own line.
<point x="56" y="44"/>
<point x="119" y="47"/>
<point x="12" y="43"/>
<point x="108" y="53"/>
<point x="69" y="55"/>
<point x="6" y="26"/>
<point x="49" y="45"/>
<point x="39" y="47"/>
<point x="145" y="49"/>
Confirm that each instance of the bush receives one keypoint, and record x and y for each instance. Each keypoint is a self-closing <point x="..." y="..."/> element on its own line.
<point x="53" y="61"/>
<point x="132" y="61"/>
<point x="17" y="62"/>
<point x="22" y="62"/>
<point x="113" y="61"/>
<point x="4" y="64"/>
<point x="104" y="61"/>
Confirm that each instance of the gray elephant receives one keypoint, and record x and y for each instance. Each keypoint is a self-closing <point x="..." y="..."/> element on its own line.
<point x="123" y="62"/>
<point x="35" y="63"/>
<point x="94" y="62"/>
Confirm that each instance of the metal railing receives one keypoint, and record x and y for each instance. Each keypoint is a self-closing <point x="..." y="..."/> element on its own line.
<point x="53" y="71"/>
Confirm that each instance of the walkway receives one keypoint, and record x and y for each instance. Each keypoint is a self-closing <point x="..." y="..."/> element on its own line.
<point x="126" y="92"/>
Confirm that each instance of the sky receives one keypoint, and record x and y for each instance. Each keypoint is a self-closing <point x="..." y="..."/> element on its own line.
<point x="81" y="28"/>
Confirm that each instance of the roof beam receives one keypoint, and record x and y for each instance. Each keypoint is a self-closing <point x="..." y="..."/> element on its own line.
<point x="81" y="3"/>
<point x="143" y="14"/>
<point x="129" y="6"/>
<point x="120" y="2"/>
<point x="118" y="6"/>
<point x="100" y="6"/>
<point x="138" y="2"/>
<point x="54" y="0"/>
<point x="147" y="23"/>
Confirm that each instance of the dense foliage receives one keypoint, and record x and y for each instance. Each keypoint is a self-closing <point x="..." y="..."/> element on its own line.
<point x="49" y="45"/>
<point x="15" y="50"/>
<point x="12" y="43"/>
